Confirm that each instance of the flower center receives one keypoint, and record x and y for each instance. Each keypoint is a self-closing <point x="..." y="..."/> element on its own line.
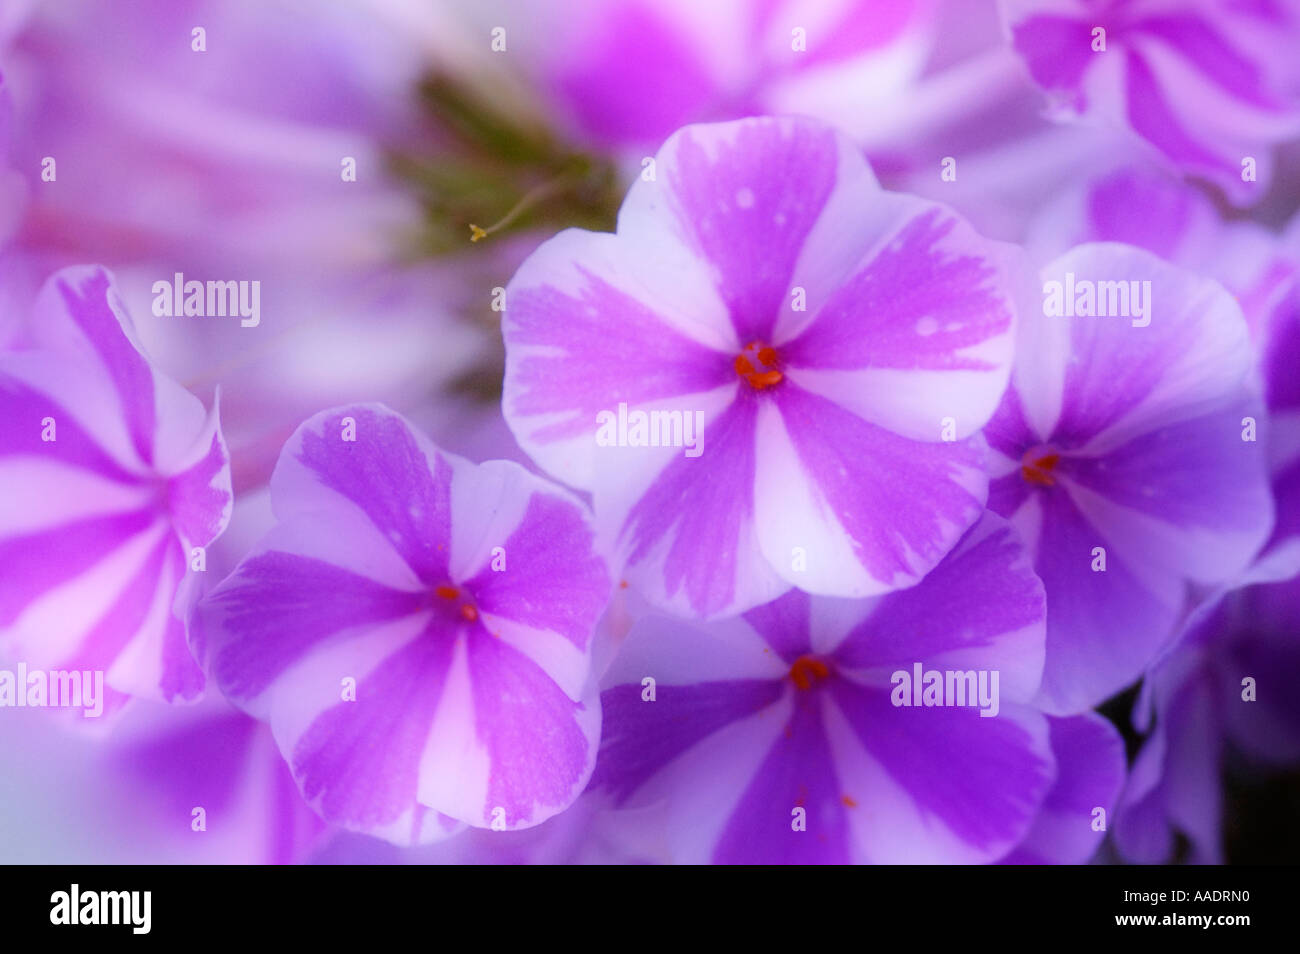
<point x="1038" y="466"/>
<point x="807" y="671"/>
<point x="757" y="365"/>
<point x="162" y="494"/>
<point x="451" y="594"/>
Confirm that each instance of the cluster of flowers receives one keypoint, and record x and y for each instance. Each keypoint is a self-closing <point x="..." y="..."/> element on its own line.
<point x="908" y="465"/>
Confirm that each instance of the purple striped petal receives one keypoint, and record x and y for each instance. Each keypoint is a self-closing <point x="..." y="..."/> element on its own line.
<point x="983" y="607"/>
<point x="367" y="457"/>
<point x="868" y="510"/>
<point x="79" y="312"/>
<point x="640" y="739"/>
<point x="907" y="360"/>
<point x="1103" y="627"/>
<point x="692" y="539"/>
<point x="943" y="784"/>
<point x="1089" y="774"/>
<point x="798" y="772"/>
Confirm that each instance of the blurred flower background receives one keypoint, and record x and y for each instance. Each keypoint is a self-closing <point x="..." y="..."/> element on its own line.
<point x="383" y="168"/>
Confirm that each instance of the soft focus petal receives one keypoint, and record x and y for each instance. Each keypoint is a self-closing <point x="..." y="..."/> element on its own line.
<point x="127" y="478"/>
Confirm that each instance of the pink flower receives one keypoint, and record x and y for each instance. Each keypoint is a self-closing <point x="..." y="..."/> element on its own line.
<point x="832" y="347"/>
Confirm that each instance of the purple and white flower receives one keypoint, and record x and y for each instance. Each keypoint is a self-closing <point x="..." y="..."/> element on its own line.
<point x="781" y="735"/>
<point x="122" y="479"/>
<point x="416" y="629"/>
<point x="839" y="345"/>
<point x="1125" y="452"/>
<point x="1208" y="83"/>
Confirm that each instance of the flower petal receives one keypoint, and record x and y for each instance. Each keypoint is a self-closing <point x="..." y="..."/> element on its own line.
<point x="921" y="330"/>
<point x="982" y="607"/>
<point x="364" y="458"/>
<point x="1089" y="774"/>
<point x="846" y="508"/>
<point x="1103" y="626"/>
<point x="743" y="197"/>
<point x="594" y="321"/>
<point x="687" y="528"/>
<point x="943" y="785"/>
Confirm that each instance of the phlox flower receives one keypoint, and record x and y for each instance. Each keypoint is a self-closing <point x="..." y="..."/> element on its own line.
<point x="416" y="630"/>
<point x="1225" y="693"/>
<point x="778" y="737"/>
<point x="1196" y="707"/>
<point x="1258" y="266"/>
<point x="838" y="346"/>
<point x="1152" y="210"/>
<point x="1207" y="83"/>
<point x="1129" y="452"/>
<point x="113" y="477"/>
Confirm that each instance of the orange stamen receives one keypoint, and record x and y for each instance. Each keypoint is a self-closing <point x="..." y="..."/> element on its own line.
<point x="767" y="357"/>
<point x="1037" y="468"/>
<point x="807" y="670"/>
<point x="448" y="592"/>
